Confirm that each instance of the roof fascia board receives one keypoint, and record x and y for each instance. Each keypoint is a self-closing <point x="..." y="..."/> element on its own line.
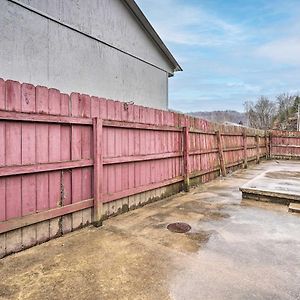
<point x="149" y="28"/>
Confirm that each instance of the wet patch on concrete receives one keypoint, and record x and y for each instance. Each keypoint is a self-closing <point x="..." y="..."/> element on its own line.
<point x="201" y="237"/>
<point x="204" y="209"/>
<point x="160" y="225"/>
<point x="217" y="215"/>
<point x="159" y="217"/>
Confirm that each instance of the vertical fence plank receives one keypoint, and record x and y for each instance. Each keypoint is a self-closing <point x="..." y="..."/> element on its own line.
<point x="245" y="148"/>
<point x="66" y="177"/>
<point x="76" y="154"/>
<point x="28" y="151"/>
<point x="13" y="95"/>
<point x="257" y="139"/>
<point x="2" y="200"/>
<point x="2" y="163"/>
<point x="118" y="147"/>
<point x="221" y="154"/>
<point x="186" y="157"/>
<point x="55" y="177"/>
<point x="13" y="155"/>
<point x="28" y="104"/>
<point x="266" y="144"/>
<point x="42" y="156"/>
<point x="270" y="144"/>
<point x="98" y="171"/>
<point x="131" y="152"/>
<point x="86" y="150"/>
<point x="2" y="94"/>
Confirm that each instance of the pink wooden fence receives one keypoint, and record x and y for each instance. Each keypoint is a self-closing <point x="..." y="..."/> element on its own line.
<point x="61" y="154"/>
<point x="285" y="144"/>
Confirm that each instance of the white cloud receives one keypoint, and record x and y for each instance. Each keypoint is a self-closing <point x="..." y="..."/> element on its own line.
<point x="245" y="86"/>
<point x="285" y="50"/>
<point x="182" y="23"/>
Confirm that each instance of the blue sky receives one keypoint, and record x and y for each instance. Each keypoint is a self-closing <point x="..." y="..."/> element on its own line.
<point x="231" y="51"/>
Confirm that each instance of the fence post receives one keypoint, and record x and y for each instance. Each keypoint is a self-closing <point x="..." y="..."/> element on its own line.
<point x="257" y="148"/>
<point x="98" y="171"/>
<point x="270" y="144"/>
<point x="186" y="156"/>
<point x="267" y="144"/>
<point x="245" y="148"/>
<point x="221" y="154"/>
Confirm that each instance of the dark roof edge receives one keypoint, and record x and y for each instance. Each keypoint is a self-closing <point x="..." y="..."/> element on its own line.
<point x="149" y="28"/>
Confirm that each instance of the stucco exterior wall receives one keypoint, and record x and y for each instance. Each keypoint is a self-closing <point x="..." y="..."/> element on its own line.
<point x="43" y="52"/>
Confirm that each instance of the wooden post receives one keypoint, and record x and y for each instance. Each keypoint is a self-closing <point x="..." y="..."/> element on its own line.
<point x="270" y="144"/>
<point x="267" y="144"/>
<point x="257" y="148"/>
<point x="221" y="154"/>
<point x="98" y="171"/>
<point x="245" y="148"/>
<point x="186" y="157"/>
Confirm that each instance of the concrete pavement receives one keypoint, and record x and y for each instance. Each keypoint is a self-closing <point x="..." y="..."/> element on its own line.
<point x="236" y="249"/>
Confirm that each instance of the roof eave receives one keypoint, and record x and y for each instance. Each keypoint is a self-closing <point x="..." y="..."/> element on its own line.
<point x="149" y="28"/>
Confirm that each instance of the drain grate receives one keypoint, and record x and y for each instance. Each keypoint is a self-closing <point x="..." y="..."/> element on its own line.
<point x="179" y="227"/>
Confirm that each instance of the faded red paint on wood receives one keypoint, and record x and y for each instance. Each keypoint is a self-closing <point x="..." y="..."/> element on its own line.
<point x="2" y="200"/>
<point x="28" y="104"/>
<point x="186" y="157"/>
<point x="47" y="139"/>
<point x="257" y="142"/>
<point x="13" y="155"/>
<point x="13" y="95"/>
<point x="76" y="150"/>
<point x="42" y="150"/>
<point x="98" y="169"/>
<point x="2" y="94"/>
<point x="16" y="223"/>
<point x="221" y="154"/>
<point x="245" y="148"/>
<point x="86" y="151"/>
<point x="284" y="144"/>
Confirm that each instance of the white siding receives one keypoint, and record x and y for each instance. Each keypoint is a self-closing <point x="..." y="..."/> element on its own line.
<point x="40" y="51"/>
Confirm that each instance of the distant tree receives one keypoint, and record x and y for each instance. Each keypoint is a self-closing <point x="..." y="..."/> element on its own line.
<point x="296" y="103"/>
<point x="287" y="108"/>
<point x="260" y="114"/>
<point x="285" y="104"/>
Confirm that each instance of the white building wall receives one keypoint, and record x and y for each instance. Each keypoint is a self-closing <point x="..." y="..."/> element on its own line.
<point x="43" y="52"/>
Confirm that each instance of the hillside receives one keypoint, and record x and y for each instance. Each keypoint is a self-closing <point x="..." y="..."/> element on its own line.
<point x="221" y="116"/>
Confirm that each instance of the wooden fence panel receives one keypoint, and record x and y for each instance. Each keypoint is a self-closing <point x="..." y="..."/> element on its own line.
<point x="285" y="144"/>
<point x="47" y="155"/>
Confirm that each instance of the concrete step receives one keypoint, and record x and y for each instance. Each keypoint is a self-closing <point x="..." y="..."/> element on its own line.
<point x="294" y="207"/>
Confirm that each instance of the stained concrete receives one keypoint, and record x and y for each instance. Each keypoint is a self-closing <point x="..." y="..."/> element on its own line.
<point x="236" y="250"/>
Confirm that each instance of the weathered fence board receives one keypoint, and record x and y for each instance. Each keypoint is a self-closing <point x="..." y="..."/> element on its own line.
<point x="284" y="144"/>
